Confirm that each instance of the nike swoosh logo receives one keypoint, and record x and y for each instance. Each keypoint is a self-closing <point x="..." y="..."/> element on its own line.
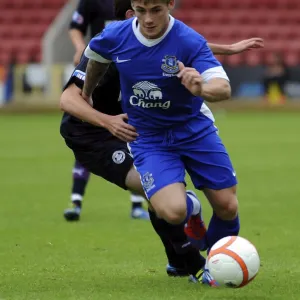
<point x="121" y="60"/>
<point x="185" y="245"/>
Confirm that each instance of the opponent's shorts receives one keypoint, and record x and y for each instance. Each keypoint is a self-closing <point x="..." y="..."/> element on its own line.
<point x="163" y="159"/>
<point x="109" y="159"/>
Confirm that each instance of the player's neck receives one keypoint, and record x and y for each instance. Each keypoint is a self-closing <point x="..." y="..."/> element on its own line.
<point x="163" y="30"/>
<point x="159" y="35"/>
<point x="143" y="38"/>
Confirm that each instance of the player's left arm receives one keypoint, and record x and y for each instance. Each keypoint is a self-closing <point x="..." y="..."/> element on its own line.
<point x="204" y="76"/>
<point x="78" y="28"/>
<point x="239" y="47"/>
<point x="213" y="86"/>
<point x="215" y="90"/>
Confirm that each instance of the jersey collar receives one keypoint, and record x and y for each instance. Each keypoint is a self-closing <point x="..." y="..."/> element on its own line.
<point x="146" y="42"/>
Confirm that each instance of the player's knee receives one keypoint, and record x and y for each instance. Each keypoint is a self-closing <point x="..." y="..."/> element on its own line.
<point x="170" y="203"/>
<point x="173" y="214"/>
<point x="228" y="209"/>
<point x="175" y="217"/>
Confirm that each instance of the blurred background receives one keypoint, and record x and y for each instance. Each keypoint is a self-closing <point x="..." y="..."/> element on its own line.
<point x="36" y="52"/>
<point x="107" y="255"/>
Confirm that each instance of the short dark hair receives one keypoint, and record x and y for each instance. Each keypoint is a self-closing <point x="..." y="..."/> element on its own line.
<point x="152" y="1"/>
<point x="121" y="6"/>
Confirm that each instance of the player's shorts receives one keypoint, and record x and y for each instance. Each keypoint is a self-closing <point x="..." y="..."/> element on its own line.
<point x="162" y="160"/>
<point x="109" y="159"/>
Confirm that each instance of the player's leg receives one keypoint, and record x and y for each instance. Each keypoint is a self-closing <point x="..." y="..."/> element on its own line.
<point x="162" y="176"/>
<point x="225" y="219"/>
<point x="173" y="204"/>
<point x="137" y="210"/>
<point x="224" y="222"/>
<point x="117" y="152"/>
<point x="176" y="265"/>
<point x="183" y="258"/>
<point x="211" y="170"/>
<point x="178" y="249"/>
<point x="133" y="183"/>
<point x="120" y="172"/>
<point x="80" y="181"/>
<point x="175" y="214"/>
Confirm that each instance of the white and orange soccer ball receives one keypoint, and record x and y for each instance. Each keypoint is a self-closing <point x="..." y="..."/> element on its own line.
<point x="233" y="262"/>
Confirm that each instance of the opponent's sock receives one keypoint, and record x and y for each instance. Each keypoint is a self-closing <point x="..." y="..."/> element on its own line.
<point x="161" y="228"/>
<point x="136" y="200"/>
<point x="80" y="180"/>
<point x="219" y="228"/>
<point x="192" y="258"/>
<point x="178" y="249"/>
<point x="136" y="205"/>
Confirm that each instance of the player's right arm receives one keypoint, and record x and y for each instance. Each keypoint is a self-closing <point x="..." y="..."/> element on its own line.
<point x="94" y="72"/>
<point x="72" y="102"/>
<point x="77" y="39"/>
<point x="78" y="28"/>
<point x="99" y="53"/>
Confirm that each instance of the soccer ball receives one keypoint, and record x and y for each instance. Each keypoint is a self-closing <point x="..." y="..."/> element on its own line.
<point x="233" y="262"/>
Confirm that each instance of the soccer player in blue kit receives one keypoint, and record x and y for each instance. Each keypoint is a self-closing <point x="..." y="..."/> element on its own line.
<point x="166" y="72"/>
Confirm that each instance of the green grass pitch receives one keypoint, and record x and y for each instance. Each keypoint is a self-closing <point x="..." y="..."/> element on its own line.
<point x="109" y="256"/>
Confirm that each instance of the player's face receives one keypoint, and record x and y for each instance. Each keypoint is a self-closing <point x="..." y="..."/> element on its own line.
<point x="153" y="17"/>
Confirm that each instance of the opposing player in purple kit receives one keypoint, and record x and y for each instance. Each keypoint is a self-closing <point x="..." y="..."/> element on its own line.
<point x="93" y="15"/>
<point x="166" y="72"/>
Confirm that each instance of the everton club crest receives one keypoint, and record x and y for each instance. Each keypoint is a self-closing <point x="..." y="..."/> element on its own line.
<point x="170" y="65"/>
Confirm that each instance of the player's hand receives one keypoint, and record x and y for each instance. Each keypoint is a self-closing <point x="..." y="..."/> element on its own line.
<point x="118" y="127"/>
<point x="245" y="45"/>
<point x="190" y="78"/>
<point x="77" y="56"/>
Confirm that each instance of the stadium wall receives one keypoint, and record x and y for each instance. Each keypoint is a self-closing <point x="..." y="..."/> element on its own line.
<point x="57" y="47"/>
<point x="29" y="88"/>
<point x="38" y="87"/>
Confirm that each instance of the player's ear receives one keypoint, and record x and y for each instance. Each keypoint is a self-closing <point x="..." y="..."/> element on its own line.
<point x="129" y="14"/>
<point x="171" y="4"/>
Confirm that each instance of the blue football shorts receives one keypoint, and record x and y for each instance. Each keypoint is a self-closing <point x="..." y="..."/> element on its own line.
<point x="163" y="159"/>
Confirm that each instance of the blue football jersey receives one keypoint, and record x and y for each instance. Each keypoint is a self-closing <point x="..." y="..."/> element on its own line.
<point x="152" y="95"/>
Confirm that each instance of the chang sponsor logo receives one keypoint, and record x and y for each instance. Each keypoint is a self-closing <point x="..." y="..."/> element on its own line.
<point x="148" y="95"/>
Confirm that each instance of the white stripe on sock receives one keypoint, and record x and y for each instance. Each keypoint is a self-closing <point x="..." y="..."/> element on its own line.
<point x="196" y="204"/>
<point x="76" y="197"/>
<point x="136" y="198"/>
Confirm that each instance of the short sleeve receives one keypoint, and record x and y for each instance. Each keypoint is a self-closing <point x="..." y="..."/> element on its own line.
<point x="203" y="59"/>
<point x="81" y="17"/>
<point x="100" y="47"/>
<point x="78" y="75"/>
<point x="207" y="65"/>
